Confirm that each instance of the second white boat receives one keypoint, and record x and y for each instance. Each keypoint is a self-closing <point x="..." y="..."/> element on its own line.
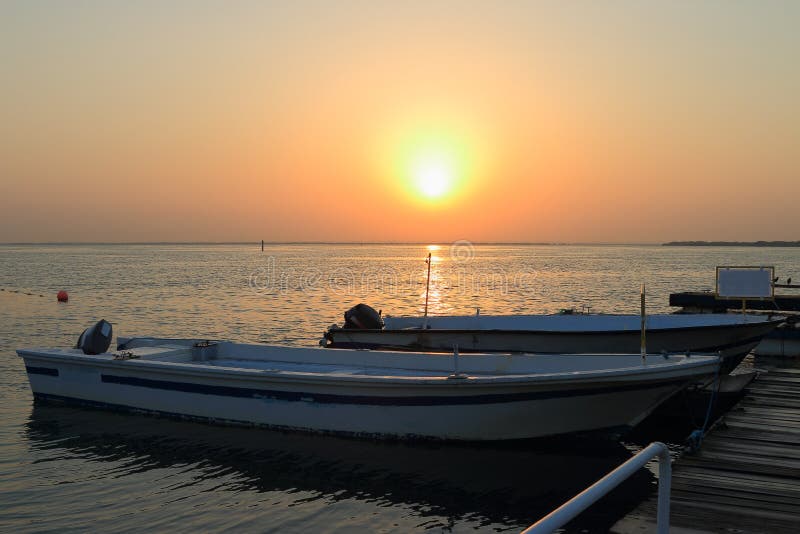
<point x="731" y="335"/>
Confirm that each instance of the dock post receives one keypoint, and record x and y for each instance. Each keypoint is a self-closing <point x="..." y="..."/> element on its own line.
<point x="643" y="326"/>
<point x="664" y="488"/>
<point x="427" y="290"/>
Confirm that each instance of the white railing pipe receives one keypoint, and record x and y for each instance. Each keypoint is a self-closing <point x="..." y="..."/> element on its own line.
<point x="570" y="509"/>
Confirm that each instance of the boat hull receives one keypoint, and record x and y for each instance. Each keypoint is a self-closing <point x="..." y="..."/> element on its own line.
<point x="784" y="341"/>
<point x="732" y="342"/>
<point x="448" y="409"/>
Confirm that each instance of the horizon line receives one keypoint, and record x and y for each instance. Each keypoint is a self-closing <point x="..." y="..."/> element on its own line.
<point x="313" y="242"/>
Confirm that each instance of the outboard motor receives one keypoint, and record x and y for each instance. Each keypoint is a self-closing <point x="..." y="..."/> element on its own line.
<point x="363" y="317"/>
<point x="95" y="339"/>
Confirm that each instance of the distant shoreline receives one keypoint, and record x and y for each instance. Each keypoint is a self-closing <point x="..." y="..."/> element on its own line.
<point x="732" y="244"/>
<point x="349" y="243"/>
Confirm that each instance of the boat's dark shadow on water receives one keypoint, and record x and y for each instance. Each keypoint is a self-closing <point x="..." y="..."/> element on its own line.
<point x="676" y="419"/>
<point x="511" y="484"/>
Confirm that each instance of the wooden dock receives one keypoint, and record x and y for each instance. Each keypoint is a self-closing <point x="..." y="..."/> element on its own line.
<point x="746" y="476"/>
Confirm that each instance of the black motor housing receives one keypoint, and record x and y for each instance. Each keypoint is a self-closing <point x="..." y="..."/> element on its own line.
<point x="363" y="317"/>
<point x="96" y="339"/>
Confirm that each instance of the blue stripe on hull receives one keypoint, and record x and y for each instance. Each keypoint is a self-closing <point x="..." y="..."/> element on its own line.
<point x="325" y="398"/>
<point x="48" y="371"/>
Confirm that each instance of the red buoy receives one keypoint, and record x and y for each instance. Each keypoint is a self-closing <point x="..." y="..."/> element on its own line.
<point x="62" y="296"/>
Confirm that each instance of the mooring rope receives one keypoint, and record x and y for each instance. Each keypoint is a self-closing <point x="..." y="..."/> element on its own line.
<point x="695" y="439"/>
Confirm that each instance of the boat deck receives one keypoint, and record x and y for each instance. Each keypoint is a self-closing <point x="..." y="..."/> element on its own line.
<point x="746" y="476"/>
<point x="361" y="363"/>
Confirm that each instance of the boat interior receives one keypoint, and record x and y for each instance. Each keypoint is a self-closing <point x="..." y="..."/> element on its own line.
<point x="266" y="357"/>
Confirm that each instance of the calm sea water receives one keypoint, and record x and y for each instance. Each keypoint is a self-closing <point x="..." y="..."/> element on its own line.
<point x="78" y="469"/>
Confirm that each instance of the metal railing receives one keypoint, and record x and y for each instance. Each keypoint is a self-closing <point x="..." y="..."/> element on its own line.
<point x="570" y="509"/>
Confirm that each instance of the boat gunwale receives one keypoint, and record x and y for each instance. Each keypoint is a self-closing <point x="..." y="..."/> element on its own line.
<point x="653" y="372"/>
<point x="517" y="331"/>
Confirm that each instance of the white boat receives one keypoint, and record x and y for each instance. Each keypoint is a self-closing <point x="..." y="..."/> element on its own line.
<point x="784" y="341"/>
<point x="731" y="335"/>
<point x="367" y="393"/>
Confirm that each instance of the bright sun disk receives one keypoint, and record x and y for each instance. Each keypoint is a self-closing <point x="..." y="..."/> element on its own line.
<point x="433" y="177"/>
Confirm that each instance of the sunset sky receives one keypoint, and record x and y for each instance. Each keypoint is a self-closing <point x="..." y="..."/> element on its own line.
<point x="399" y="121"/>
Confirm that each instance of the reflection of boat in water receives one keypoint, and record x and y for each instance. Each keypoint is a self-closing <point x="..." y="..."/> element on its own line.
<point x="479" y="397"/>
<point x="731" y="335"/>
<point x="487" y="486"/>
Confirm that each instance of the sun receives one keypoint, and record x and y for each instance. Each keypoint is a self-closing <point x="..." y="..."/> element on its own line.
<point x="433" y="175"/>
<point x="434" y="167"/>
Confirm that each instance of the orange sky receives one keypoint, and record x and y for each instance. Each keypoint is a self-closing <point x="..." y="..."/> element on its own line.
<point x="558" y="121"/>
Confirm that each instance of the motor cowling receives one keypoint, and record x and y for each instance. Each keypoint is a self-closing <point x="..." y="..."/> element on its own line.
<point x="96" y="339"/>
<point x="363" y="317"/>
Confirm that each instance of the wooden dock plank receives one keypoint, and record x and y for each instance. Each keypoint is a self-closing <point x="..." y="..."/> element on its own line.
<point x="723" y="489"/>
<point x="786" y="414"/>
<point x="764" y="452"/>
<point x="774" y="418"/>
<point x="775" y="509"/>
<point x="787" y="372"/>
<point x="727" y="462"/>
<point x="746" y="476"/>
<point x="778" y="429"/>
<point x="698" y="475"/>
<point x="783" y="439"/>
<point x="759" y="401"/>
<point x="731" y="515"/>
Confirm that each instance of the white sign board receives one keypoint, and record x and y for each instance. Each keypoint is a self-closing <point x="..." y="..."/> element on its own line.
<point x="745" y="282"/>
